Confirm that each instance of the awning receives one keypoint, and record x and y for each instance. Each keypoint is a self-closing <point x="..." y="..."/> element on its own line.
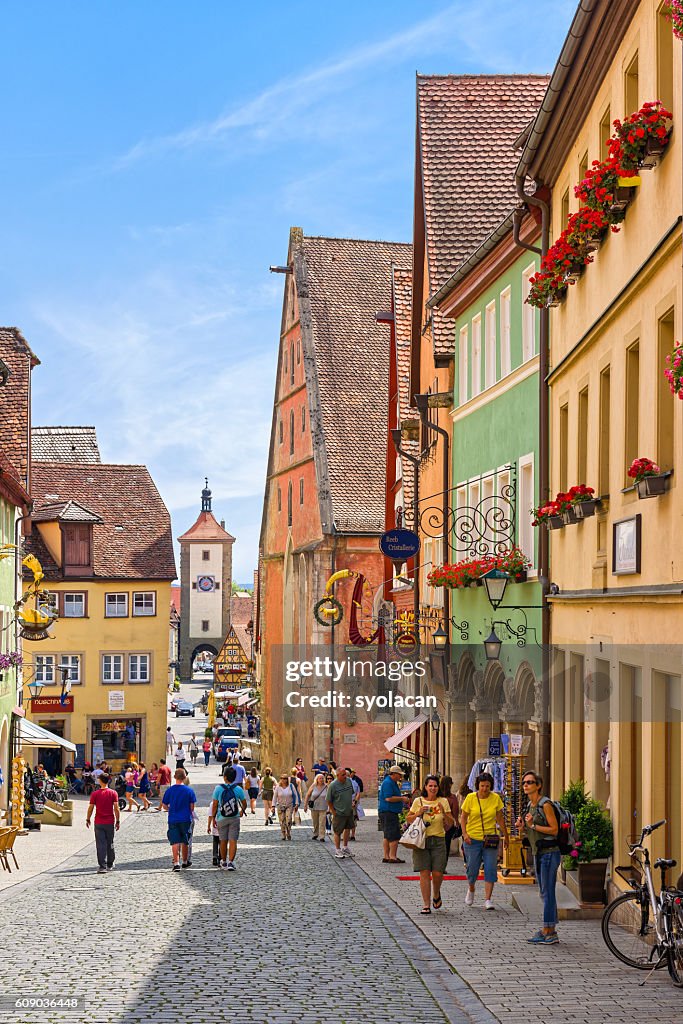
<point x="252" y="701"/>
<point x="244" y="699"/>
<point x="405" y="731"/>
<point x="33" y="735"/>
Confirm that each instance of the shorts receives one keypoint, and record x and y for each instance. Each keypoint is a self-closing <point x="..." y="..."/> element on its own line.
<point x="389" y="823"/>
<point x="179" y="832"/>
<point x="253" y="792"/>
<point x="340" y="822"/>
<point x="433" y="857"/>
<point x="228" y="829"/>
<point x="130" y="789"/>
<point x="162" y="790"/>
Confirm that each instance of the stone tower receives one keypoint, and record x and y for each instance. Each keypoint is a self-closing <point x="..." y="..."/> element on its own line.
<point x="206" y="586"/>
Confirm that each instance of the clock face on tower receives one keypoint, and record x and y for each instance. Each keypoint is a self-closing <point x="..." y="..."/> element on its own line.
<point x="207" y="584"/>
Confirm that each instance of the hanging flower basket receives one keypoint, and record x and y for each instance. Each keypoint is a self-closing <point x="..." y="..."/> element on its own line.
<point x="653" y="486"/>
<point x="586" y="509"/>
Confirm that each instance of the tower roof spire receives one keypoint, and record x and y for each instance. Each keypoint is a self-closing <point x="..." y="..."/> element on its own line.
<point x="206" y="496"/>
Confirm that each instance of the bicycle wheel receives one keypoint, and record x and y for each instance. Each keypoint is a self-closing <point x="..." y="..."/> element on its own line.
<point x="675" y="952"/>
<point x="629" y="932"/>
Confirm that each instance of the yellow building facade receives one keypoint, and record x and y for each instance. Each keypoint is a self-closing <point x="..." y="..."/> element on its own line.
<point x="103" y="537"/>
<point x="618" y="575"/>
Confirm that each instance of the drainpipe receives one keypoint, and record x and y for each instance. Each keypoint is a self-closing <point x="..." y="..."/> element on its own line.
<point x="544" y="466"/>
<point x="334" y="569"/>
<point x="422" y="403"/>
<point x="13" y="739"/>
<point x="415" y="462"/>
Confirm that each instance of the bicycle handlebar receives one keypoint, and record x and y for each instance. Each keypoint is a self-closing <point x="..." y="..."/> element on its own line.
<point x="650" y="828"/>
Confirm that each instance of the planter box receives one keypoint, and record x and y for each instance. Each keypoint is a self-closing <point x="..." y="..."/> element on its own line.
<point x="623" y="195"/>
<point x="557" y="299"/>
<point x="586" y="509"/>
<point x="569" y="517"/>
<point x="521" y="577"/>
<point x="591" y="881"/>
<point x="653" y="486"/>
<point x="575" y="271"/>
<point x="555" y="522"/>
<point x="654" y="150"/>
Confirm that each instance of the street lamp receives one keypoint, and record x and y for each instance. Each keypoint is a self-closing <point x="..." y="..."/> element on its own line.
<point x="495" y="582"/>
<point x="492" y="646"/>
<point x="435" y="721"/>
<point x="35" y="689"/>
<point x="440" y="637"/>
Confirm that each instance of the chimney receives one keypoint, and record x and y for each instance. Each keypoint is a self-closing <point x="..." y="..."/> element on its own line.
<point x="222" y="524"/>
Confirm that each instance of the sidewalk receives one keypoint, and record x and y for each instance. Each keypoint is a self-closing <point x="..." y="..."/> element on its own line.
<point x="43" y="851"/>
<point x="488" y="949"/>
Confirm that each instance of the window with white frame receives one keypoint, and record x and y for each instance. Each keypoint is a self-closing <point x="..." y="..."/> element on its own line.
<point x="462" y="365"/>
<point x="474" y="494"/>
<point x="503" y="494"/>
<point x="112" y="668"/>
<point x="525" y="504"/>
<point x="476" y="355"/>
<point x="144" y="602"/>
<point x="73" y="606"/>
<point x="488" y="501"/>
<point x="73" y="663"/>
<point x="490" y="345"/>
<point x="528" y="316"/>
<point x="44" y="665"/>
<point x="438" y="559"/>
<point x="461" y="505"/>
<point x="505" y="357"/>
<point x="138" y="668"/>
<point x="116" y="606"/>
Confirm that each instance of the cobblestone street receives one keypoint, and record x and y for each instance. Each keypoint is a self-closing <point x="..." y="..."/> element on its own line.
<point x="288" y="937"/>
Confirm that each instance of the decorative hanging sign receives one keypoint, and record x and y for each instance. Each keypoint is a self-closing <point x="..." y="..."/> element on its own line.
<point x="399" y="545"/>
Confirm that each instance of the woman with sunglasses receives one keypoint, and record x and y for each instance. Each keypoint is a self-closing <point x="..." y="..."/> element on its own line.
<point x="435" y="812"/>
<point x="541" y="827"/>
<point x="481" y="811"/>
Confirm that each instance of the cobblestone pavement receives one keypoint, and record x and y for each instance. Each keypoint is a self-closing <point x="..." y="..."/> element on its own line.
<point x="489" y="951"/>
<point x="144" y="944"/>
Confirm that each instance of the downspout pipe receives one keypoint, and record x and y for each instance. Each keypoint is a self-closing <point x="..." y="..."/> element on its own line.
<point x="543" y="470"/>
<point x="422" y="403"/>
<point x="415" y="463"/>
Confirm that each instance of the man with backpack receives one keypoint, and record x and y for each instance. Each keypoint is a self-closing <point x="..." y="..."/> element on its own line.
<point x="547" y="830"/>
<point x="228" y="805"/>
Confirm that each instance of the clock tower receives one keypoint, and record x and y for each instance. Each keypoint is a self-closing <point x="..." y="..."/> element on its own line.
<point x="206" y="586"/>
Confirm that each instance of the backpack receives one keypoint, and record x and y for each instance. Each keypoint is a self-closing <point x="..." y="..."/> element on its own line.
<point x="567" y="836"/>
<point x="229" y="807"/>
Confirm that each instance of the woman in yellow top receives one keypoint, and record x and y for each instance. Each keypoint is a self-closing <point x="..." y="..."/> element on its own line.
<point x="480" y="813"/>
<point x="435" y="811"/>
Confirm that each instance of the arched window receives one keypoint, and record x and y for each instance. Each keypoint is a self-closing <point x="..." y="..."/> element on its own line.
<point x="289" y="504"/>
<point x="298" y="352"/>
<point x="291" y="432"/>
<point x="279" y="499"/>
<point x="303" y="419"/>
<point x="284" y="368"/>
<point x="301" y="491"/>
<point x="282" y="430"/>
<point x="291" y="363"/>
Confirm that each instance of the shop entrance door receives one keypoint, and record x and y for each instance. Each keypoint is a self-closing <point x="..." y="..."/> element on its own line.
<point x="51" y="757"/>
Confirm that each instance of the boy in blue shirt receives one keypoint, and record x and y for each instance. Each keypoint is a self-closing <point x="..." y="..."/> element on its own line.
<point x="179" y="801"/>
<point x="228" y="825"/>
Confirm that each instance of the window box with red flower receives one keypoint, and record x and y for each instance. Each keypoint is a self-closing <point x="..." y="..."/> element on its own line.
<point x="583" y="501"/>
<point x="640" y="141"/>
<point x="674" y="370"/>
<point x="548" y="515"/>
<point x="650" y="482"/>
<point x="674" y="12"/>
<point x="469" y="571"/>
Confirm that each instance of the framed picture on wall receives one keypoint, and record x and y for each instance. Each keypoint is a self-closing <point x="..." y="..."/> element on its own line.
<point x="626" y="546"/>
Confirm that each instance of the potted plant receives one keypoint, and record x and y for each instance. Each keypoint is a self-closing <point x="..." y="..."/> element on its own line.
<point x="515" y="563"/>
<point x="674" y="368"/>
<point x="639" y="142"/>
<point x="12" y="659"/>
<point x="593" y="849"/>
<point x="548" y="515"/>
<point x="563" y="500"/>
<point x="600" y="191"/>
<point x="649" y="480"/>
<point x="583" y="501"/>
<point x="674" y="12"/>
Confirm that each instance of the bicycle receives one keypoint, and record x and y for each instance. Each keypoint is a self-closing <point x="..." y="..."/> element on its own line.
<point x="643" y="930"/>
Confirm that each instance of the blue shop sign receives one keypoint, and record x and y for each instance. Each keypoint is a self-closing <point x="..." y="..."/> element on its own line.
<point x="399" y="544"/>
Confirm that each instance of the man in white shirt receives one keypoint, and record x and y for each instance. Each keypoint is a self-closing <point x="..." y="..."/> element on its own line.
<point x="170" y="741"/>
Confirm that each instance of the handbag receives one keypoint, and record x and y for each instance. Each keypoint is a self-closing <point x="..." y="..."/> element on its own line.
<point x="415" y="836"/>
<point x="491" y="840"/>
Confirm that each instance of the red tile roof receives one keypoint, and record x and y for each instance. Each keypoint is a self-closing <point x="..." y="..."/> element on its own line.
<point x="348" y="281"/>
<point x="206" y="527"/>
<point x="402" y="304"/>
<point x="64" y="444"/>
<point x="134" y="540"/>
<point x="466" y="127"/>
<point x="241" y="610"/>
<point x="175" y="598"/>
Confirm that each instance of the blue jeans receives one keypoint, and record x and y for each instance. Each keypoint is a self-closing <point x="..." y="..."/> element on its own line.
<point x="546" y="876"/>
<point x="475" y="855"/>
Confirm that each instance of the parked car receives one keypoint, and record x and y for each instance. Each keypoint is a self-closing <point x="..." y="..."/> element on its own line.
<point x="225" y="745"/>
<point x="173" y="704"/>
<point x="185" y="708"/>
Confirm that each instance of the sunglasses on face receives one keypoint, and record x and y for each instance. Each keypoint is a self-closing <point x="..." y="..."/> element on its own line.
<point x="529" y="782"/>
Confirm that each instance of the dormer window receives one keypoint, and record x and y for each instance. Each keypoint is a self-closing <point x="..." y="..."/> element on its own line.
<point x="77" y="547"/>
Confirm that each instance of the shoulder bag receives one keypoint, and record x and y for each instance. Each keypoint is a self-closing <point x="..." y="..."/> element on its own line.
<point x="492" y="840"/>
<point x="415" y="836"/>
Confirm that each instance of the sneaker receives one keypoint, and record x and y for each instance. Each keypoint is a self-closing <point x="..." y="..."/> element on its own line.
<point x="339" y="854"/>
<point x="187" y="864"/>
<point x="176" y="867"/>
<point x="352" y="839"/>
<point x="231" y="866"/>
<point x="101" y="871"/>
<point x="314" y="838"/>
<point x="346" y="851"/>
<point x="322" y="840"/>
<point x="110" y="867"/>
<point x="469" y="898"/>
<point x="488" y="905"/>
<point x="223" y="865"/>
<point x="541" y="938"/>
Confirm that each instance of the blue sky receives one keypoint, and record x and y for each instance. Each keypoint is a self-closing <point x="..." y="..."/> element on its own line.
<point x="155" y="157"/>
